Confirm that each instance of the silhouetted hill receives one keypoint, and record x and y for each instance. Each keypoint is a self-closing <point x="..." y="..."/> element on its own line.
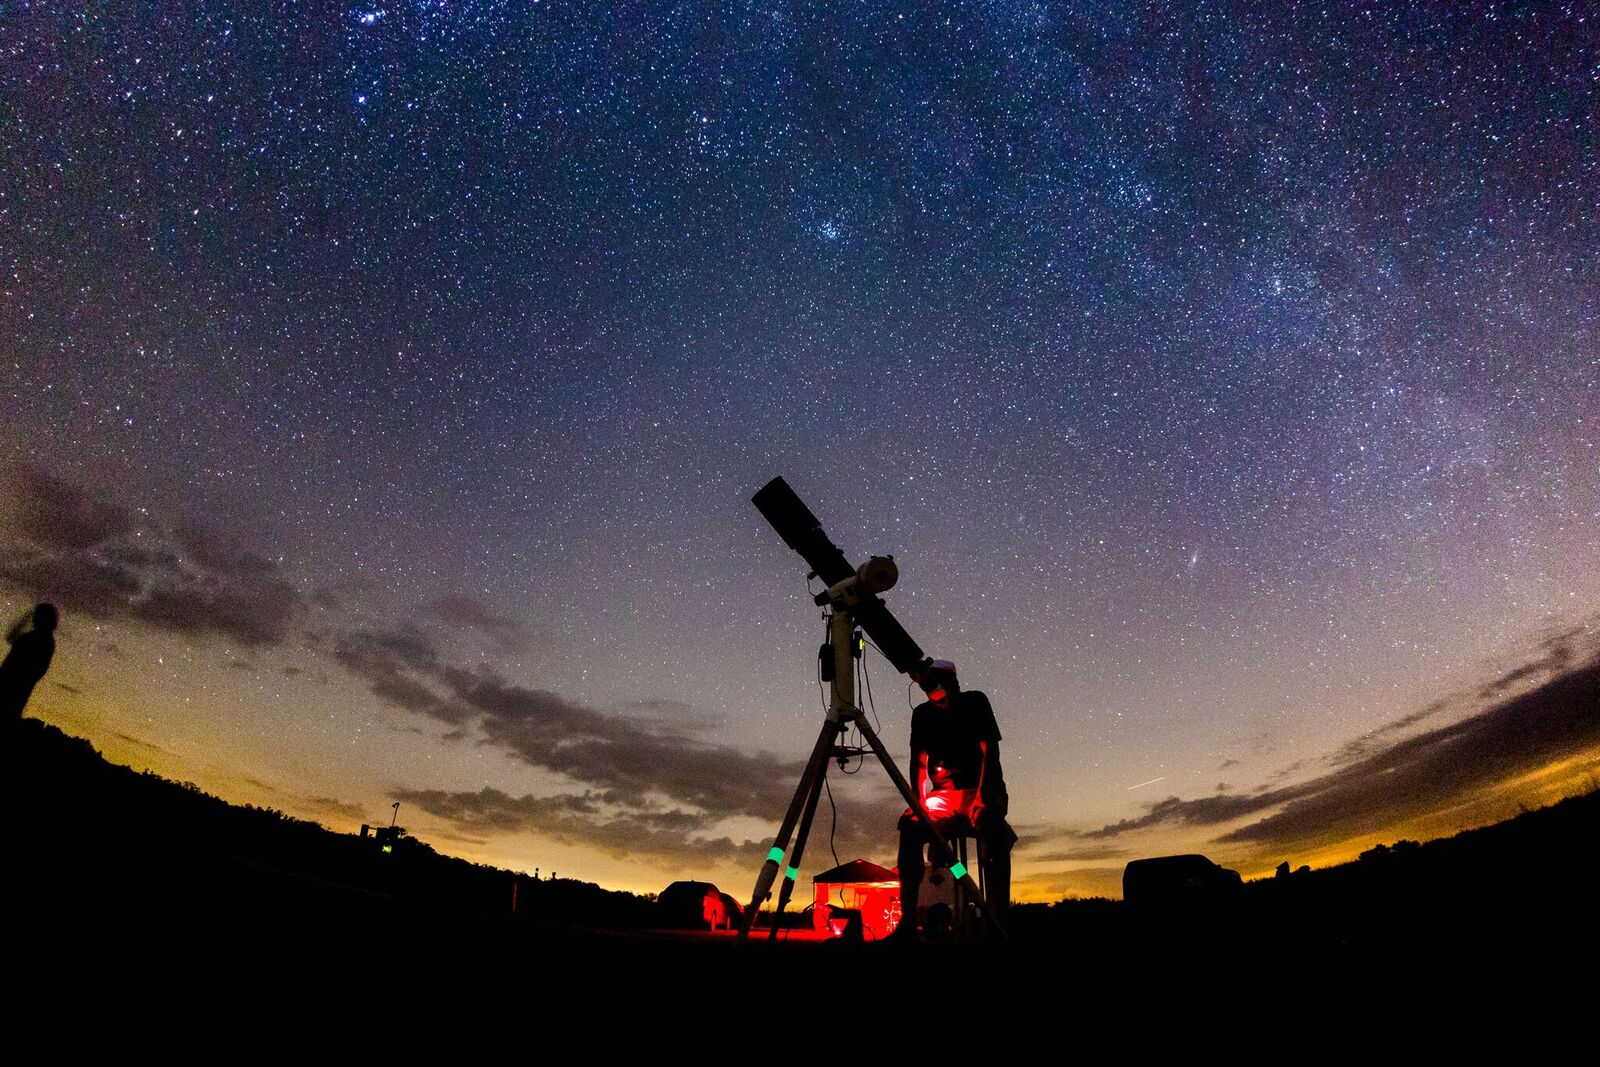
<point x="99" y="840"/>
<point x="111" y="871"/>
<point x="1526" y="880"/>
<point x="1526" y="885"/>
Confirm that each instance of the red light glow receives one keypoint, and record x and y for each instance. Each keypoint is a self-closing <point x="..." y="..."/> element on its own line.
<point x="878" y="903"/>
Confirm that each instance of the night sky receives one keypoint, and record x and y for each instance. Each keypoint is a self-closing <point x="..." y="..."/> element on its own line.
<point x="384" y="388"/>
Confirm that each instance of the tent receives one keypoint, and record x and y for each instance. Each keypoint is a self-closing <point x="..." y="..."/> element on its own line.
<point x="861" y="886"/>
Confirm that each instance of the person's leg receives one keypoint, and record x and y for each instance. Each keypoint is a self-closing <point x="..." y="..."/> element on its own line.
<point x="911" y="844"/>
<point x="995" y="838"/>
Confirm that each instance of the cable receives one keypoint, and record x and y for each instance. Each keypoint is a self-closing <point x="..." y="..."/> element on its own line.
<point x="911" y="701"/>
<point x="852" y="740"/>
<point x="871" y="703"/>
<point x="833" y="825"/>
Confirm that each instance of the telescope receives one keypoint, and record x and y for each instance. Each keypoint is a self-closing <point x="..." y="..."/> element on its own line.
<point x="850" y="598"/>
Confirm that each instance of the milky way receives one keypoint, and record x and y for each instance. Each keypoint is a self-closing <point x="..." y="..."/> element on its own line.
<point x="1224" y="377"/>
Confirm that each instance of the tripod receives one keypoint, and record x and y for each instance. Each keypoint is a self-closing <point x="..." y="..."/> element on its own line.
<point x="843" y="713"/>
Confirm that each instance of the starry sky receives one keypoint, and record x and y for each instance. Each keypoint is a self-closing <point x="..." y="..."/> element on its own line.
<point x="384" y="387"/>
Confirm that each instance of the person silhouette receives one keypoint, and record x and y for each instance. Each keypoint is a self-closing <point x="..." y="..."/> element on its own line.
<point x="33" y="643"/>
<point x="955" y="763"/>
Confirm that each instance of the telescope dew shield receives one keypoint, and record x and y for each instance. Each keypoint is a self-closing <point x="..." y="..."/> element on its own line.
<point x="802" y="531"/>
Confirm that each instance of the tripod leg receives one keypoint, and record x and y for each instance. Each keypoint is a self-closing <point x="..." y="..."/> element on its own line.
<point x="940" y="846"/>
<point x="811" y="780"/>
<point x="798" y="852"/>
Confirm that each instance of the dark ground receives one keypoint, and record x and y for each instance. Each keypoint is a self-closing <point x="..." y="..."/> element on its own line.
<point x="126" y="888"/>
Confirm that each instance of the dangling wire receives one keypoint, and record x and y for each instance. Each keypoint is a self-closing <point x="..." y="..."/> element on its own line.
<point x="852" y="740"/>
<point x="911" y="701"/>
<point x="833" y="826"/>
<point x="866" y="676"/>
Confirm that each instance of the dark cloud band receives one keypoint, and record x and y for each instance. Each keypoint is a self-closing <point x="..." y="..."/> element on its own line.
<point x="1381" y="782"/>
<point x="93" y="557"/>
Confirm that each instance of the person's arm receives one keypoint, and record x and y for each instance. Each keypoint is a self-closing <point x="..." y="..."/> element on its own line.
<point x="976" y="807"/>
<point x="919" y="756"/>
<point x="989" y="761"/>
<point x="19" y="626"/>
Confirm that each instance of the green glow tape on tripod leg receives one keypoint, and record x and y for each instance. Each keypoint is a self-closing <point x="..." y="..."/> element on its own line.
<point x="791" y="873"/>
<point x="776" y="855"/>
<point x="958" y="870"/>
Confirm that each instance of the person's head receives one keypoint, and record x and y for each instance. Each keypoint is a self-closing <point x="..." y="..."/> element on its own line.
<point x="940" y="683"/>
<point x="45" y="617"/>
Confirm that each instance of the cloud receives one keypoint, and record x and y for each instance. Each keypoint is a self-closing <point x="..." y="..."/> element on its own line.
<point x="584" y="819"/>
<point x="1082" y="854"/>
<point x="56" y="512"/>
<point x="1375" y="740"/>
<point x="1555" y="655"/>
<point x="668" y="716"/>
<point x="651" y="785"/>
<point x="611" y="823"/>
<point x="339" y="809"/>
<point x="1076" y="882"/>
<point x="94" y="557"/>
<point x="470" y="613"/>
<point x="1205" y="811"/>
<point x="394" y="664"/>
<point x="634" y="760"/>
<point x="130" y="739"/>
<point x="1414" y="777"/>
<point x="664" y="788"/>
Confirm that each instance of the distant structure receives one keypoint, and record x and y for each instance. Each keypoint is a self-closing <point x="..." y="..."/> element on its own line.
<point x="385" y="837"/>
<point x="696" y="906"/>
<point x="1177" y="881"/>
